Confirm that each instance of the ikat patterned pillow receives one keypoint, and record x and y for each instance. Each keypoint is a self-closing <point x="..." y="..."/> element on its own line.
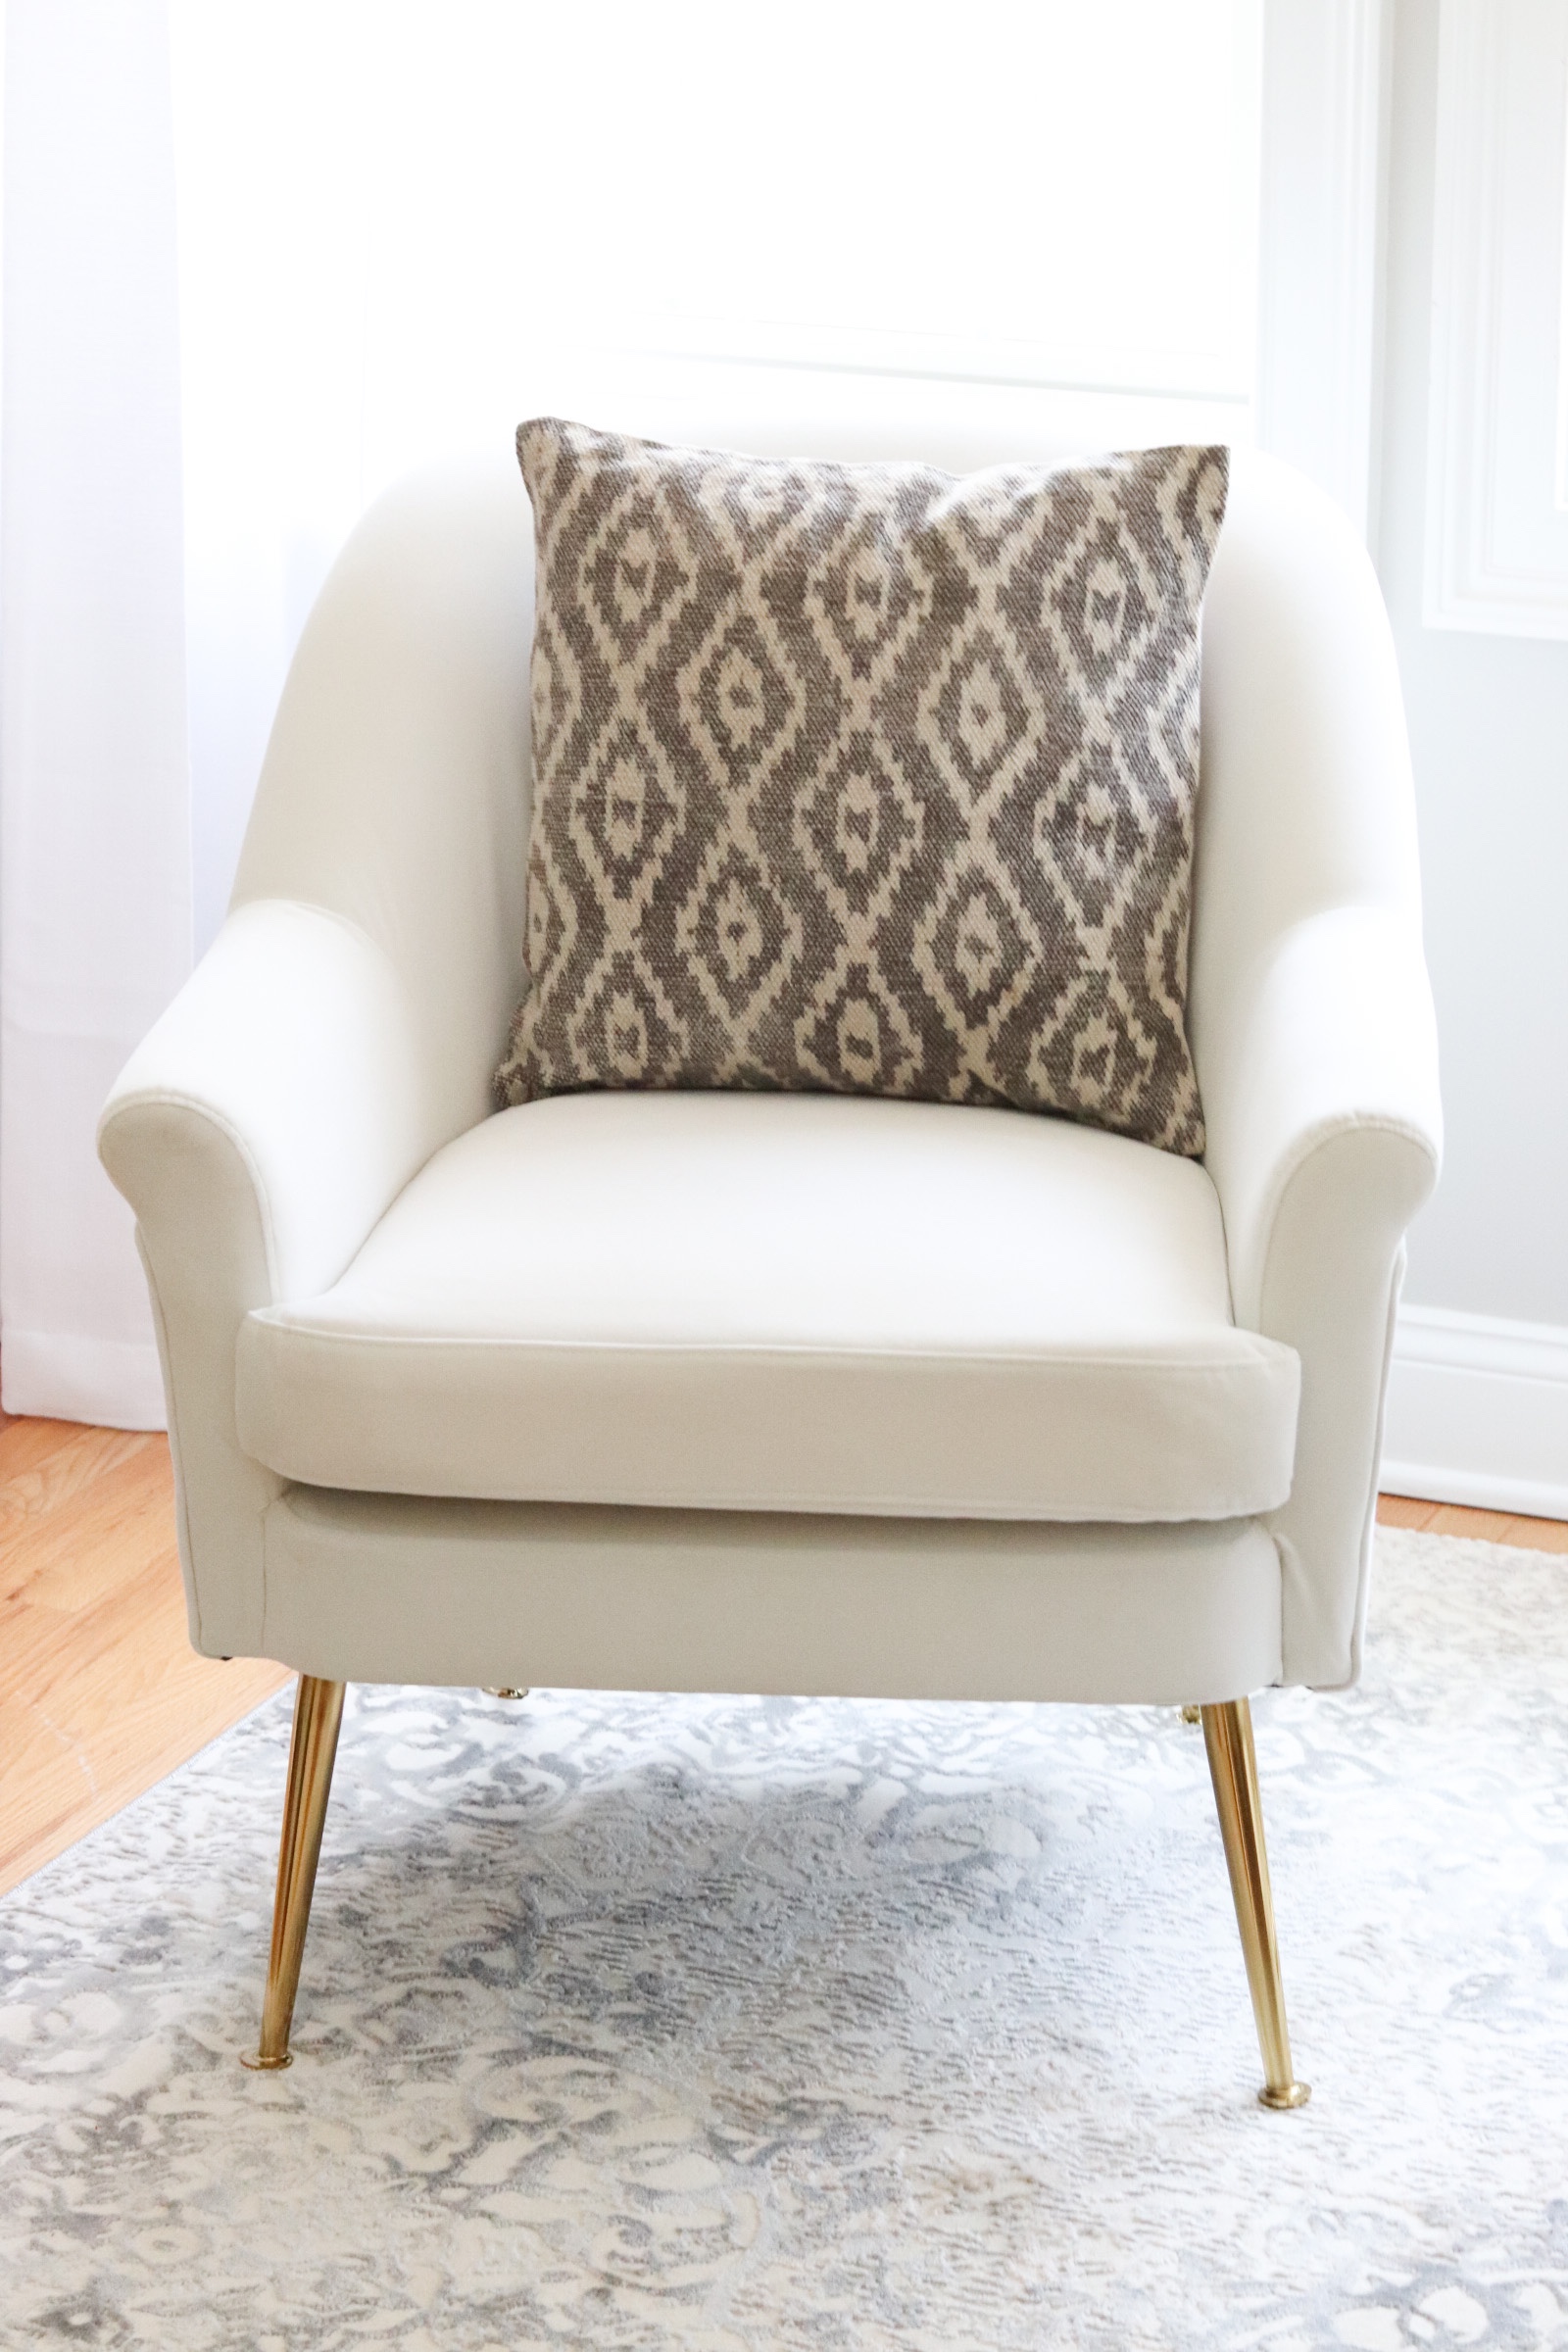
<point x="866" y="778"/>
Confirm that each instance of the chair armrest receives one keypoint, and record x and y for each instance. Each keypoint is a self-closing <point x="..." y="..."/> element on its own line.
<point x="347" y="1017"/>
<point x="1335" y="1039"/>
<point x="1324" y="1139"/>
<point x="259" y="1132"/>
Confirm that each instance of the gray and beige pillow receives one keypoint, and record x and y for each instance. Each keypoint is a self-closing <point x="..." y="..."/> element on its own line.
<point x="866" y="778"/>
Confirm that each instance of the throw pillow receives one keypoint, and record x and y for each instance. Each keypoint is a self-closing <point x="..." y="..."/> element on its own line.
<point x="866" y="778"/>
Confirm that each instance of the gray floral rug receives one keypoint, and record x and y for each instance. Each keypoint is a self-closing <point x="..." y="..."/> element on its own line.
<point x="735" y="2025"/>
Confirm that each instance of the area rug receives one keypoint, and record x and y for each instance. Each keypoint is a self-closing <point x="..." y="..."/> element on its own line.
<point x="741" y="2024"/>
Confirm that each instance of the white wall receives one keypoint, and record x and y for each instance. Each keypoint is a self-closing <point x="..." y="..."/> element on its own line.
<point x="1479" y="1408"/>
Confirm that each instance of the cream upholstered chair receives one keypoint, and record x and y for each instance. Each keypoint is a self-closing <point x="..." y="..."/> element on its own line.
<point x="799" y="1394"/>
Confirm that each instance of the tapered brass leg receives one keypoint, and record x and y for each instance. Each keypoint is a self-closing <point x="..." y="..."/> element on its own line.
<point x="1233" y="1766"/>
<point x="312" y="1750"/>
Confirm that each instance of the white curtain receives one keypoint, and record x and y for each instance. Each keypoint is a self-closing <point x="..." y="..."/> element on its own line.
<point x="260" y="258"/>
<point x="95" y="902"/>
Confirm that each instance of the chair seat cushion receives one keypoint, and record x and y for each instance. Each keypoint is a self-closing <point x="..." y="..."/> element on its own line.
<point x="787" y="1303"/>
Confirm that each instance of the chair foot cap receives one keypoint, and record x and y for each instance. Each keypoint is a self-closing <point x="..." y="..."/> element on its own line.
<point x="268" y="2066"/>
<point x="1295" y="2094"/>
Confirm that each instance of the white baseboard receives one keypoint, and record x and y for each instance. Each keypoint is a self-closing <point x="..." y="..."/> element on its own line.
<point x="1478" y="1412"/>
<point x="63" y="1377"/>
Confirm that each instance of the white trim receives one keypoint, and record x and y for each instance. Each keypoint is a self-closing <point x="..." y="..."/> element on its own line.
<point x="1497" y="556"/>
<point x="1478" y="1412"/>
<point x="1324" y="86"/>
<point x="66" y="1376"/>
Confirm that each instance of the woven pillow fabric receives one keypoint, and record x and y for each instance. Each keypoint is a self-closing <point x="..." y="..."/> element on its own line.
<point x="866" y="778"/>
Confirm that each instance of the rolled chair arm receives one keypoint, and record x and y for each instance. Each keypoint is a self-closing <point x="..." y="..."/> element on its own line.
<point x="346" y="1020"/>
<point x="259" y="1132"/>
<point x="1324" y="1139"/>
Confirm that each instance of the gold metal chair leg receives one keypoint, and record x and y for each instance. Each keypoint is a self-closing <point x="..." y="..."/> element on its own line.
<point x="1233" y="1767"/>
<point x="312" y="1750"/>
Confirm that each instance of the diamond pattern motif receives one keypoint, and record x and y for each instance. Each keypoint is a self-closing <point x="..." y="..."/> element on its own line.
<point x="632" y="579"/>
<point x="736" y="934"/>
<point x="978" y="954"/>
<point x="625" y="813"/>
<point x="856" y="831"/>
<point x="866" y="777"/>
<point x="744" y="702"/>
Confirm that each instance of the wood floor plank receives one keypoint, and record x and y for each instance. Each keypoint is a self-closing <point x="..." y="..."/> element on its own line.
<point x="81" y="1550"/>
<point x="101" y="1693"/>
<point x="44" y="1469"/>
<point x="1404" y="1510"/>
<point x="68" y="1786"/>
<point x="1537" y="1535"/>
<point x="1457" y="1519"/>
<point x="1479" y="1527"/>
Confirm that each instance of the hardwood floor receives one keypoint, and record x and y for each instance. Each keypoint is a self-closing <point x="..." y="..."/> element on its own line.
<point x="1483" y="1527"/>
<point x="100" y="1691"/>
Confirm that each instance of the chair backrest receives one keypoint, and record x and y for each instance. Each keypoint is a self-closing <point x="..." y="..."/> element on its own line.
<point x="395" y="787"/>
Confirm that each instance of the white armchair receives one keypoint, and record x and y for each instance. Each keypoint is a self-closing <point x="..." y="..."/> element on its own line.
<point x="759" y="1392"/>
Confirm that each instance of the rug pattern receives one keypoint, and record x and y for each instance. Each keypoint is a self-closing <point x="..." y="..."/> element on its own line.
<point x="733" y="2024"/>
